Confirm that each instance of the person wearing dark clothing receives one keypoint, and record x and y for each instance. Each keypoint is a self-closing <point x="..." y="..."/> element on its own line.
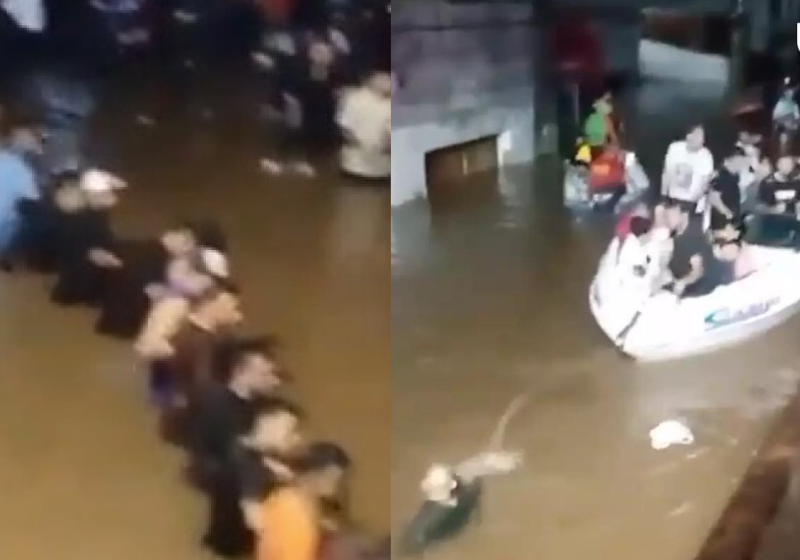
<point x="145" y="263"/>
<point x="85" y="244"/>
<point x="695" y="268"/>
<point x="300" y="67"/>
<point x="255" y="465"/>
<point x="780" y="192"/>
<point x="436" y="521"/>
<point x="191" y="363"/>
<point x="80" y="280"/>
<point x="778" y="206"/>
<point x="224" y="410"/>
<point x="125" y="303"/>
<point x="725" y="195"/>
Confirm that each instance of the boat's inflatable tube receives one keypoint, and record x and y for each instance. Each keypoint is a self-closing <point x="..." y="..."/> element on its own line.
<point x="663" y="327"/>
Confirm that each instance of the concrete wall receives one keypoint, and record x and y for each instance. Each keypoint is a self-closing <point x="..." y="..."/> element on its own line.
<point x="468" y="71"/>
<point x="665" y="62"/>
<point x="463" y="72"/>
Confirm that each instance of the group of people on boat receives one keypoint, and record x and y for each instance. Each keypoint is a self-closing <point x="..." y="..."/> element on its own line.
<point x="695" y="238"/>
<point x="271" y="493"/>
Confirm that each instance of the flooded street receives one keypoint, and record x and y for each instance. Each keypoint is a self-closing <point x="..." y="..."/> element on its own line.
<point x="489" y="301"/>
<point x="78" y="437"/>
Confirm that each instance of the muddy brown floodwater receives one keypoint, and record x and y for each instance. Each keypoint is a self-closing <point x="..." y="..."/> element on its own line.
<point x="489" y="300"/>
<point x="83" y="476"/>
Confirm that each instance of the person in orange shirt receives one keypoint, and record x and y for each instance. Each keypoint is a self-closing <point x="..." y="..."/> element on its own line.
<point x="295" y="517"/>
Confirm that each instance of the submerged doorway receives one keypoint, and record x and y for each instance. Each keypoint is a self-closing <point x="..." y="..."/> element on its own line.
<point x="460" y="171"/>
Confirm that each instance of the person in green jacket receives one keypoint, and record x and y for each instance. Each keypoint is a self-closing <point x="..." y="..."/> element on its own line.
<point x="598" y="130"/>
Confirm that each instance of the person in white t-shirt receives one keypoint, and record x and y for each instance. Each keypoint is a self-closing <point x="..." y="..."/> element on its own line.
<point x="365" y="117"/>
<point x="688" y="168"/>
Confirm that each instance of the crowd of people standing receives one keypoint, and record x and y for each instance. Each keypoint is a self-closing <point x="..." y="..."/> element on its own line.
<point x="323" y="66"/>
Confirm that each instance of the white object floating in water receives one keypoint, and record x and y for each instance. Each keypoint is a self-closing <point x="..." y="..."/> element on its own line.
<point x="670" y="432"/>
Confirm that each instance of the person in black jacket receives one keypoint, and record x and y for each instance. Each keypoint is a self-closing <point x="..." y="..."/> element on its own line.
<point x="143" y="264"/>
<point x="224" y="410"/>
<point x="85" y="246"/>
<point x="254" y="466"/>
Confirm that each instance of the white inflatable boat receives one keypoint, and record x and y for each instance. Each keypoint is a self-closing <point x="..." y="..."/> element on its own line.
<point x="664" y="327"/>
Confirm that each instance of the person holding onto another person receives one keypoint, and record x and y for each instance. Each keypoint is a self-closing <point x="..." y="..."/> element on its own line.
<point x="223" y="414"/>
<point x="688" y="168"/>
<point x="186" y="363"/>
<point x="127" y="303"/>
<point x="85" y="247"/>
<point x="255" y="465"/>
<point x="223" y="410"/>
<point x="295" y="520"/>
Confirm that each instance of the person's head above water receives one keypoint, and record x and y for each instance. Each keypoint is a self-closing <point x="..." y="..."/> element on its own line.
<point x="250" y="364"/>
<point x="180" y="240"/>
<point x="275" y="426"/>
<point x="100" y="188"/>
<point x="695" y="138"/>
<point x="322" y="468"/>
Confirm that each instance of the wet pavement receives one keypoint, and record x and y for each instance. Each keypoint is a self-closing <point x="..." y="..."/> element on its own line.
<point x="489" y="301"/>
<point x="77" y="439"/>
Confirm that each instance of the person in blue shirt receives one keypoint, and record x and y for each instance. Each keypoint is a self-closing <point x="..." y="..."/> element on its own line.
<point x="17" y="183"/>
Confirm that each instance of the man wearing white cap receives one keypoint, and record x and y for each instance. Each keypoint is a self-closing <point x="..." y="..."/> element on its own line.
<point x="86" y="242"/>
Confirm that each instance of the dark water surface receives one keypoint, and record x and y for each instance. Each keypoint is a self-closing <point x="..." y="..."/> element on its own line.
<point x="489" y="300"/>
<point x="82" y="474"/>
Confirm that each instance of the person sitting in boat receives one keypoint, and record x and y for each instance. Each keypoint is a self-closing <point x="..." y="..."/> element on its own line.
<point x="724" y="196"/>
<point x="643" y="255"/>
<point x="688" y="168"/>
<point x="780" y="192"/>
<point x="695" y="263"/>
<point x="775" y="221"/>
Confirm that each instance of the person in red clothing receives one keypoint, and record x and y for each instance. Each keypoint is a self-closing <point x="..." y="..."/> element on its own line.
<point x="623" y="227"/>
<point x="607" y="171"/>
